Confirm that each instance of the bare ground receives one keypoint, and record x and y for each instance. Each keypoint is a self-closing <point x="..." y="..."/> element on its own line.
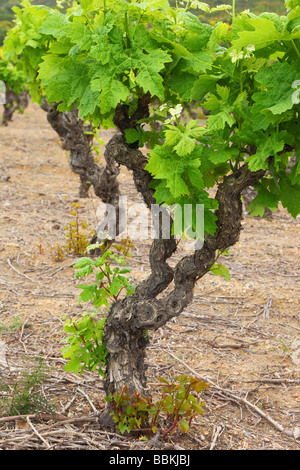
<point x="241" y="336"/>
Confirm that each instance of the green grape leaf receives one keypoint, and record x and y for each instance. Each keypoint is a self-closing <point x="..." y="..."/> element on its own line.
<point x="83" y="262"/>
<point x="290" y="195"/>
<point x="205" y="84"/>
<point x="185" y="145"/>
<point x="279" y="79"/>
<point x="184" y="426"/>
<point x="54" y="24"/>
<point x="267" y="145"/>
<point x="263" y="199"/>
<point x="218" y="121"/>
<point x="115" y="286"/>
<point x="220" y="270"/>
<point x="149" y="66"/>
<point x="164" y="164"/>
<point x="79" y="35"/>
<point x="74" y="364"/>
<point x="263" y="33"/>
<point x="113" y="92"/>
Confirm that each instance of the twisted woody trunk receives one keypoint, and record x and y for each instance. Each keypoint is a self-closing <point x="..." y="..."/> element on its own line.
<point x="130" y="318"/>
<point x="77" y="138"/>
<point x="13" y="103"/>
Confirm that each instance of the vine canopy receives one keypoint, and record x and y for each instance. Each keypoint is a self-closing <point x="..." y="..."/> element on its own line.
<point x="103" y="54"/>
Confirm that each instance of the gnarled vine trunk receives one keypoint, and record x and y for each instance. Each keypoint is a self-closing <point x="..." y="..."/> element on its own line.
<point x="13" y="102"/>
<point x="76" y="137"/>
<point x="130" y="318"/>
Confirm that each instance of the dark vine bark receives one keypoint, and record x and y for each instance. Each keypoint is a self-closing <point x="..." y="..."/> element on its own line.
<point x="73" y="134"/>
<point x="130" y="318"/>
<point x="13" y="103"/>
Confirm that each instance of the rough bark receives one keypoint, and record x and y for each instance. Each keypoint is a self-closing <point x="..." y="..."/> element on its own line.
<point x="72" y="132"/>
<point x="124" y="121"/>
<point x="161" y="249"/>
<point x="130" y="318"/>
<point x="13" y="103"/>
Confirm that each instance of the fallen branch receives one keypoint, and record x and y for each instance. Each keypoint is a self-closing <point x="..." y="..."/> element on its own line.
<point x="216" y="434"/>
<point x="213" y="344"/>
<point x="20" y="274"/>
<point x="37" y="433"/>
<point x="274" y="381"/>
<point x="40" y="416"/>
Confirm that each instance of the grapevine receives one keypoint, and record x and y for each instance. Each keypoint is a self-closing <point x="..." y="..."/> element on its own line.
<point x="132" y="64"/>
<point x="14" y="91"/>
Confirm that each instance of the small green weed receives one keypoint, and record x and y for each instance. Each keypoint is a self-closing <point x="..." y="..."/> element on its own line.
<point x="77" y="238"/>
<point x="25" y="396"/>
<point x="77" y="234"/>
<point x="15" y="325"/>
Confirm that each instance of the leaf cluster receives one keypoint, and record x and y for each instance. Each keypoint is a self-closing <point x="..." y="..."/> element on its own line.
<point x="13" y="78"/>
<point x="245" y="76"/>
<point x="109" y="270"/>
<point x="249" y="88"/>
<point x="180" y="402"/>
<point x="76" y="233"/>
<point x="86" y="347"/>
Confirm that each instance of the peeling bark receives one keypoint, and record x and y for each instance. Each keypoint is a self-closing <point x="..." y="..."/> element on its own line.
<point x="161" y="249"/>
